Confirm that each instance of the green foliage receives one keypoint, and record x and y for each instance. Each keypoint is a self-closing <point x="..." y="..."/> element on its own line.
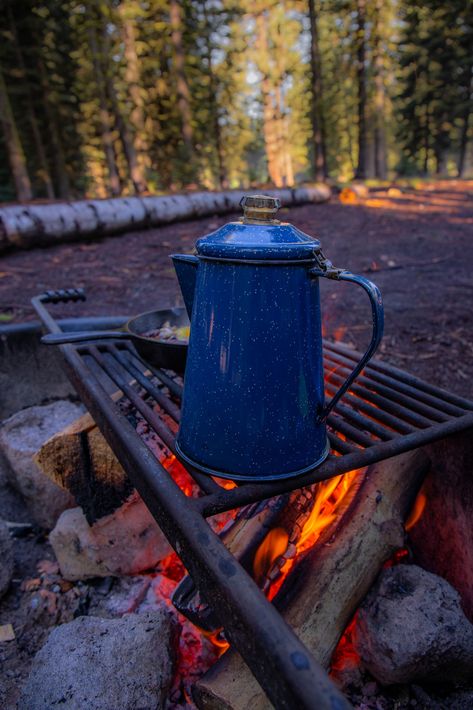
<point x="122" y="96"/>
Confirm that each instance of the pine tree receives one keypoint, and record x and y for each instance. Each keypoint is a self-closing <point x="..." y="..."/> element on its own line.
<point x="317" y="113"/>
<point x="13" y="144"/>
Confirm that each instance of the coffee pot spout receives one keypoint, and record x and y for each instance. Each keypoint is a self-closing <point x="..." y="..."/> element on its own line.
<point x="186" y="271"/>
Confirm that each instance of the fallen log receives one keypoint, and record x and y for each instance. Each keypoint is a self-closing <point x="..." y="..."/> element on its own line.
<point x="28" y="225"/>
<point x="323" y="592"/>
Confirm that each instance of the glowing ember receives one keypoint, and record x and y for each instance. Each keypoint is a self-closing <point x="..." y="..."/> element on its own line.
<point x="345" y="656"/>
<point x="179" y="475"/>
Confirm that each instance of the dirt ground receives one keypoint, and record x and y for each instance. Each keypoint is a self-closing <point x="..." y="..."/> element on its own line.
<point x="416" y="245"/>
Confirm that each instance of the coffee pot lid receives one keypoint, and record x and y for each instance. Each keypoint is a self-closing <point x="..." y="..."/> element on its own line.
<point x="259" y="236"/>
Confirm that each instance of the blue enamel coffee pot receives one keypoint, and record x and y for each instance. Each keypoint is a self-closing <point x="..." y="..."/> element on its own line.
<point x="253" y="406"/>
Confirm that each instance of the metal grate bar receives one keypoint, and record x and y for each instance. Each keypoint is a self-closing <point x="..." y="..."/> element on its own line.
<point x="351" y="432"/>
<point x="374" y="412"/>
<point x="164" y="402"/>
<point x="387" y="405"/>
<point x="364" y="423"/>
<point x="398" y="392"/>
<point x="339" y="445"/>
<point x="404" y="377"/>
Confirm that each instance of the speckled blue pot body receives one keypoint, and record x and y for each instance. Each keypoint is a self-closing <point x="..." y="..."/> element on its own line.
<point x="253" y="404"/>
<point x="254" y="374"/>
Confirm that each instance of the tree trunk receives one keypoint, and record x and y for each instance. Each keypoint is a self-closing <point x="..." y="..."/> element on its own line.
<point x="133" y="80"/>
<point x="37" y="225"/>
<point x="362" y="99"/>
<point x="13" y="145"/>
<point x="35" y="131"/>
<point x="59" y="162"/>
<point x="426" y="140"/>
<point x="270" y="127"/>
<point x="380" y="100"/>
<point x="465" y="127"/>
<point x="326" y="588"/>
<point x="126" y="139"/>
<point x="318" y="122"/>
<point x="104" y="117"/>
<point x="213" y="103"/>
<point x="183" y="93"/>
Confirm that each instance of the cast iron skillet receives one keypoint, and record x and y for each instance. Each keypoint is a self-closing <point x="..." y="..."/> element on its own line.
<point x="158" y="353"/>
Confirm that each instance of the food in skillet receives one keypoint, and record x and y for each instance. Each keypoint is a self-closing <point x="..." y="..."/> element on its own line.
<point x="170" y="333"/>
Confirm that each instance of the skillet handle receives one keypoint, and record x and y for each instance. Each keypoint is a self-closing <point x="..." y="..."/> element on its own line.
<point x="61" y="338"/>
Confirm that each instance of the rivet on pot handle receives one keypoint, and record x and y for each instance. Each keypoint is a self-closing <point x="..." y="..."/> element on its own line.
<point x="326" y="269"/>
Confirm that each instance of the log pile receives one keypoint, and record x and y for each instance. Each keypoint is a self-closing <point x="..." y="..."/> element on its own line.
<point x="33" y="225"/>
<point x="323" y="593"/>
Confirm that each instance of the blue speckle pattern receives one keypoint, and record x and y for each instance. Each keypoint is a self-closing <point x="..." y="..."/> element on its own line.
<point x="254" y="375"/>
<point x="237" y="240"/>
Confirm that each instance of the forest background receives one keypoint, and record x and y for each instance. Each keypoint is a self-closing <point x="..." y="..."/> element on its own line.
<point x="106" y="97"/>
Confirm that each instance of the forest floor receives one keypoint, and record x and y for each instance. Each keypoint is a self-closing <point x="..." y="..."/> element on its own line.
<point x="417" y="245"/>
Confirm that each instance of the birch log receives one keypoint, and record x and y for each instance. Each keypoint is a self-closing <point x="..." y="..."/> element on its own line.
<point x="31" y="225"/>
<point x="331" y="581"/>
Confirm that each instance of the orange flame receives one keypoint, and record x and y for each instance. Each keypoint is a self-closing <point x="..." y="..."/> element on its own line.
<point x="417" y="510"/>
<point x="215" y="637"/>
<point x="329" y="497"/>
<point x="273" y="545"/>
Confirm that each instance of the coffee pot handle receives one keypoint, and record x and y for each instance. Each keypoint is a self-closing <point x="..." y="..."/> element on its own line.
<point x="327" y="270"/>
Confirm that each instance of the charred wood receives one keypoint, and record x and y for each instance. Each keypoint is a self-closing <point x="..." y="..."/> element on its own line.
<point x="326" y="588"/>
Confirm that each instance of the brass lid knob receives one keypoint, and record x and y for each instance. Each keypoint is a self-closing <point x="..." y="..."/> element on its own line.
<point x="260" y="208"/>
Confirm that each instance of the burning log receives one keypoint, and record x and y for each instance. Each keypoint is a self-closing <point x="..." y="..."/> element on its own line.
<point x="38" y="224"/>
<point x="321" y="595"/>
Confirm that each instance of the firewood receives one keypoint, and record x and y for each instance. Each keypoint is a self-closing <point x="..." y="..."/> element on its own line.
<point x="80" y="460"/>
<point x="323" y="592"/>
<point x="38" y="224"/>
<point x="442" y="539"/>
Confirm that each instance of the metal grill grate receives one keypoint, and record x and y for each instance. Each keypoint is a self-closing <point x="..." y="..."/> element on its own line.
<point x="385" y="413"/>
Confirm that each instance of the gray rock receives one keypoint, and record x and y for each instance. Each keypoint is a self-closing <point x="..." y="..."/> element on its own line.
<point x="411" y="627"/>
<point x="20" y="437"/>
<point x="6" y="558"/>
<point x="127" y="541"/>
<point x="104" y="664"/>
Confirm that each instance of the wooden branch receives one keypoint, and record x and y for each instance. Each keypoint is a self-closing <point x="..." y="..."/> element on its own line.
<point x="29" y="225"/>
<point x="325" y="590"/>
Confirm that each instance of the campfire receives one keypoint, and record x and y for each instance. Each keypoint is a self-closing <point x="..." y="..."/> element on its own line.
<point x="325" y="551"/>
